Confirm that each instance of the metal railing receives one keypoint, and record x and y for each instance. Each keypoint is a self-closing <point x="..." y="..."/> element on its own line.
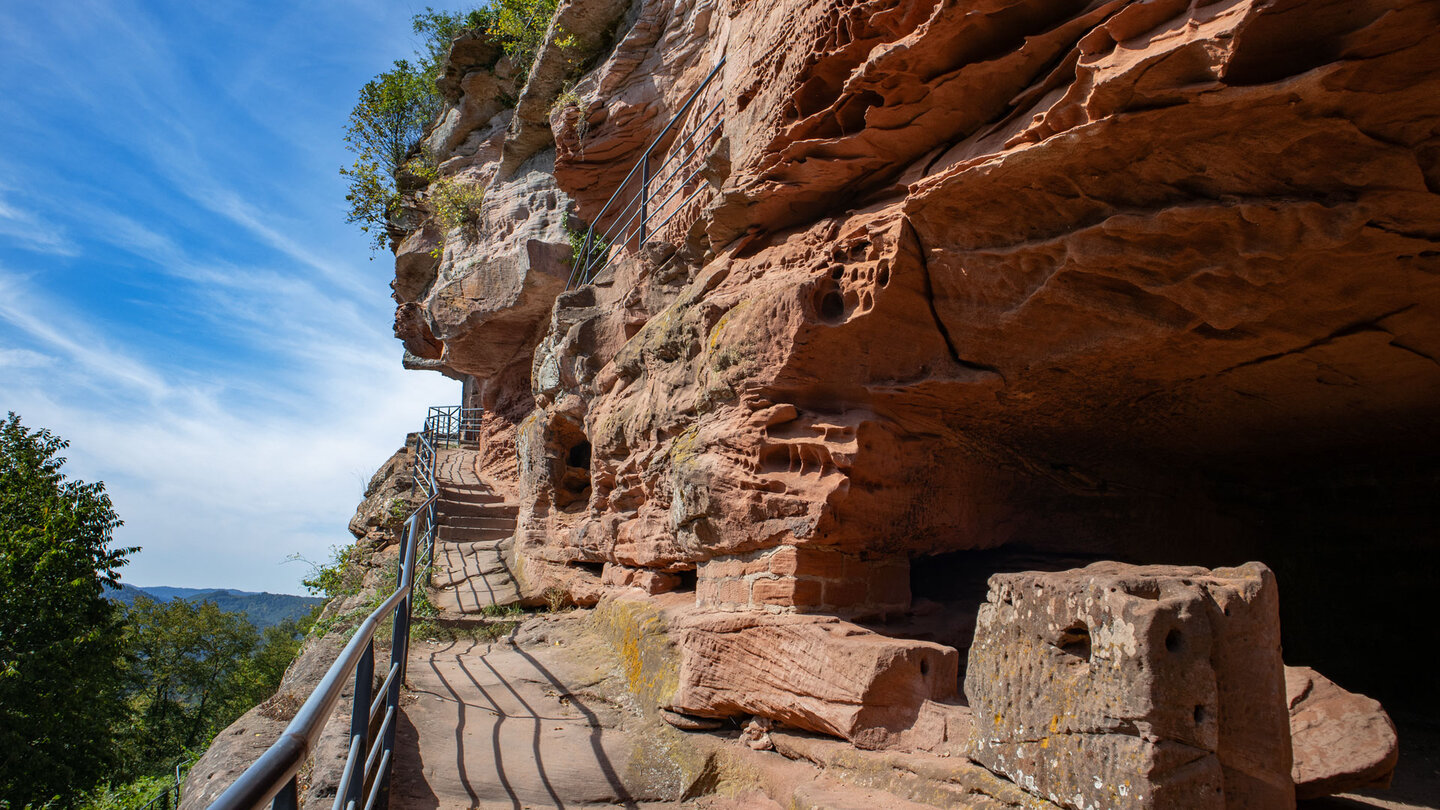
<point x="676" y="175"/>
<point x="453" y="423"/>
<point x="169" y="797"/>
<point x="444" y="424"/>
<point x="364" y="784"/>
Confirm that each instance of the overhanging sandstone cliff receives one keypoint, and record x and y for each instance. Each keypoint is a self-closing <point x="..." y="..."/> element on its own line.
<point x="1072" y="280"/>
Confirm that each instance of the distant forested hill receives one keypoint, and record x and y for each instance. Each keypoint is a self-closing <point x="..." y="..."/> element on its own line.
<point x="263" y="609"/>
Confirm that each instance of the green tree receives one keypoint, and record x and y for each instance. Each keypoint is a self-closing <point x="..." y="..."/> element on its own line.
<point x="182" y="677"/>
<point x="60" y="638"/>
<point x="388" y="121"/>
<point x="396" y="107"/>
<point x="258" y="676"/>
<point x="519" y="26"/>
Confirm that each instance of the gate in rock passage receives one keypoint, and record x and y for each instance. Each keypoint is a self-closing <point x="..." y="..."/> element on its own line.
<point x="273" y="779"/>
<point x="659" y="194"/>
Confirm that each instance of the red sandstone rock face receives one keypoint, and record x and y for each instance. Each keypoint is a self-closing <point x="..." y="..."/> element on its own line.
<point x="999" y="272"/>
<point x="1132" y="231"/>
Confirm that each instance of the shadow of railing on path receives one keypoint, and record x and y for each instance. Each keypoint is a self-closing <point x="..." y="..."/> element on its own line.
<point x="596" y="744"/>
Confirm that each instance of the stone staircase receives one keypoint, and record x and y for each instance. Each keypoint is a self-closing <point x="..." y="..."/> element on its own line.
<point x="474" y="528"/>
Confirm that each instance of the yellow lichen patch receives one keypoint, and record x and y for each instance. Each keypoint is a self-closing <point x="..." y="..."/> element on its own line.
<point x="648" y="660"/>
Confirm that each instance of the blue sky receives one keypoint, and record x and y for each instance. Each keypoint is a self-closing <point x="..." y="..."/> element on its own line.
<point x="180" y="295"/>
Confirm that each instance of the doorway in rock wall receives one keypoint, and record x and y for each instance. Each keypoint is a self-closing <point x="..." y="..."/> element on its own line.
<point x="572" y="467"/>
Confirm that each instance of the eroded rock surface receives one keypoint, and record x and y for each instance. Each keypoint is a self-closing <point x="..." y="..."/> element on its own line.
<point x="1155" y="281"/>
<point x="390" y="496"/>
<point x="810" y="672"/>
<point x="1123" y="686"/>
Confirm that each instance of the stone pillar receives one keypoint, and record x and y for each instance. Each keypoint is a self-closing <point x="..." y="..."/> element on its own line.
<point x="1117" y="686"/>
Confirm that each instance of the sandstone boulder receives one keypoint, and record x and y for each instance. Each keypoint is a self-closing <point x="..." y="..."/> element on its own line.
<point x="390" y="496"/>
<point x="812" y="672"/>
<point x="1134" y="687"/>
<point x="1343" y="741"/>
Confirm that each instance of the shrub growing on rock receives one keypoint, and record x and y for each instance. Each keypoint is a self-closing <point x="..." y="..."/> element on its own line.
<point x="397" y="107"/>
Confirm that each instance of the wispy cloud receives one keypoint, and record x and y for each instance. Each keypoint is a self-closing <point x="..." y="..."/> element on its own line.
<point x="26" y="230"/>
<point x="178" y="295"/>
<point x="104" y="365"/>
<point x="24" y="358"/>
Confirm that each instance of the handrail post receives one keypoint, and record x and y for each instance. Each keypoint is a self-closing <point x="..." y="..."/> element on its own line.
<point x="289" y="796"/>
<point x="399" y="647"/>
<point x="585" y="252"/>
<point x="360" y="724"/>
<point x="644" y="197"/>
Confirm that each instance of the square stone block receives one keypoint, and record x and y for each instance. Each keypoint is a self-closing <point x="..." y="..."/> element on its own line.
<point x="1118" y="686"/>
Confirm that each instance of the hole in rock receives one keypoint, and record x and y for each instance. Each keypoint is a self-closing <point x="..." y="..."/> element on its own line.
<point x="1144" y="590"/>
<point x="837" y="272"/>
<point x="924" y="666"/>
<point x="832" y="306"/>
<point x="579" y="455"/>
<point x="1173" y="641"/>
<point x="573" y="487"/>
<point x="851" y="114"/>
<point x="947" y="590"/>
<point x="815" y="95"/>
<point x="744" y="99"/>
<point x="687" y="580"/>
<point x="884" y="277"/>
<point x="1075" y="640"/>
<point x="1200" y="715"/>
<point x="594" y="568"/>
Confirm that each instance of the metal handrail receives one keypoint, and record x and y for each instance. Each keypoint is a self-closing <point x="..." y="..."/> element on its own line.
<point x="162" y="799"/>
<point x="365" y="783"/>
<point x="595" y="252"/>
<point x="274" y="777"/>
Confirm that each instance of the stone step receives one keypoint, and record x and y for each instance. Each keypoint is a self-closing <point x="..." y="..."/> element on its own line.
<point x="477" y="522"/>
<point x="452" y="492"/>
<point x="461" y="535"/>
<point x="460" y="550"/>
<point x="457" y="571"/>
<point x="464" y="509"/>
<point x="476" y="594"/>
<point x="470" y="544"/>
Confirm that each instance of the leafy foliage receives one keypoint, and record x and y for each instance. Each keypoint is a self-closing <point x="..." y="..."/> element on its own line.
<point x="340" y="576"/>
<point x="180" y="675"/>
<point x="91" y="691"/>
<point x="456" y="203"/>
<point x="131" y="795"/>
<point x="519" y="26"/>
<point x="598" y="246"/>
<point x="60" y="640"/>
<point x="191" y="670"/>
<point x="385" y="125"/>
<point x="395" y="108"/>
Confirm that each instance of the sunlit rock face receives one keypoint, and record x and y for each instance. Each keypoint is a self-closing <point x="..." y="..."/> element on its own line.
<point x="1156" y="281"/>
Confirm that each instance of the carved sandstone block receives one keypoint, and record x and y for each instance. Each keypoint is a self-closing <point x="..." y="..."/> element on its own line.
<point x="1117" y="686"/>
<point x="812" y="672"/>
